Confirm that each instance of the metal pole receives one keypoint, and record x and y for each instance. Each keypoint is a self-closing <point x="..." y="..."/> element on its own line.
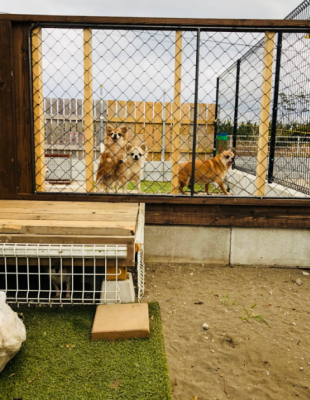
<point x="275" y="110"/>
<point x="216" y="115"/>
<point x="101" y="114"/>
<point x="234" y="142"/>
<point x="298" y="145"/>
<point x="195" y="113"/>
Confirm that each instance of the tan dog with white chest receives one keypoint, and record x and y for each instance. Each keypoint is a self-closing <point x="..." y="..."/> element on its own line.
<point x="132" y="166"/>
<point x="208" y="171"/>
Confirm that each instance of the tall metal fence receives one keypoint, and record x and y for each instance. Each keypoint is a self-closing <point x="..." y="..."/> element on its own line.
<point x="153" y="110"/>
<point x="239" y="105"/>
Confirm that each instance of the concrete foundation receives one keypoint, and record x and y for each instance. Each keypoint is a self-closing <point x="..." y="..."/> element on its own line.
<point x="228" y="246"/>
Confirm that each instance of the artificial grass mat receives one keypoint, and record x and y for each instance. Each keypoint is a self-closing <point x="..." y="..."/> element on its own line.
<point x="59" y="360"/>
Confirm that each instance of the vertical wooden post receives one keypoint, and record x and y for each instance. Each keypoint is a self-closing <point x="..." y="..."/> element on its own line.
<point x="264" y="118"/>
<point x="176" y="125"/>
<point x="88" y="111"/>
<point x="38" y="109"/>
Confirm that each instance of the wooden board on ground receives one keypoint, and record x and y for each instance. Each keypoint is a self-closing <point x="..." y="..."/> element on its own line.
<point x="67" y="218"/>
<point x="121" y="321"/>
<point x="70" y="223"/>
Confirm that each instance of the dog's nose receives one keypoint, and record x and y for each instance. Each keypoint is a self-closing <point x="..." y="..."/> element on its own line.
<point x="136" y="158"/>
<point x="233" y="159"/>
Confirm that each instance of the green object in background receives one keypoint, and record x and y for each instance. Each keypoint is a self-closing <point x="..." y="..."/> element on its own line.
<point x="221" y="139"/>
<point x="59" y="361"/>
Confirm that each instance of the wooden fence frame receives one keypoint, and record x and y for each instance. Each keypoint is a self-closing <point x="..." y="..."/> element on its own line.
<point x="16" y="168"/>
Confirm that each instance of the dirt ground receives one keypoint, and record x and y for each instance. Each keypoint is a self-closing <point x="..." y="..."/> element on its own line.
<point x="239" y="357"/>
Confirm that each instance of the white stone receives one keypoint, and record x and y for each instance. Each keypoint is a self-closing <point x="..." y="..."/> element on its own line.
<point x="205" y="326"/>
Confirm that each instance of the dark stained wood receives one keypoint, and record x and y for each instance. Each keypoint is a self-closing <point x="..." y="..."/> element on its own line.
<point x="176" y="22"/>
<point x="242" y="216"/>
<point x="7" y="137"/>
<point x="197" y="201"/>
<point x="22" y="107"/>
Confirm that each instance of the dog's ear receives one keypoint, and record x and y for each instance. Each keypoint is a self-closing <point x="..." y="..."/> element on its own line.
<point x="123" y="129"/>
<point x="129" y="147"/>
<point x="143" y="147"/>
<point x="233" y="149"/>
<point x="221" y="149"/>
<point x="108" y="128"/>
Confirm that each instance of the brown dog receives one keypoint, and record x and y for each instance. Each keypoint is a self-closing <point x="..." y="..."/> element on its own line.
<point x="112" y="155"/>
<point x="208" y="171"/>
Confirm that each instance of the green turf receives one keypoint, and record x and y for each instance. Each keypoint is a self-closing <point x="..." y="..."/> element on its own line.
<point x="165" y="187"/>
<point x="61" y="361"/>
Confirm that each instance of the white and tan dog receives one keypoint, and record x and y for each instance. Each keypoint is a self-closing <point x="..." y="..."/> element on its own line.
<point x="132" y="166"/>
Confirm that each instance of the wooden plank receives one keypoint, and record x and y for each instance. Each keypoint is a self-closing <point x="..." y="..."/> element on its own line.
<point x="175" y="22"/>
<point x="281" y="217"/>
<point x="176" y="128"/>
<point x="64" y="205"/>
<point x="88" y="111"/>
<point x="158" y="127"/>
<point x="66" y="216"/>
<point x="21" y="109"/>
<point x="38" y="109"/>
<point x="149" y="125"/>
<point x="264" y="117"/>
<point x="109" y="228"/>
<point x="121" y="111"/>
<point x="7" y="108"/>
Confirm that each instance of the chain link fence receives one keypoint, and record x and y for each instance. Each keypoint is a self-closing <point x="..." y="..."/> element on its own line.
<point x="127" y="110"/>
<point x="287" y="150"/>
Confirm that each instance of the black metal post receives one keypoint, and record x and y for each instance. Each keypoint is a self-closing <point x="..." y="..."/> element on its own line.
<point x="216" y="115"/>
<point x="195" y="113"/>
<point x="234" y="142"/>
<point x="275" y="110"/>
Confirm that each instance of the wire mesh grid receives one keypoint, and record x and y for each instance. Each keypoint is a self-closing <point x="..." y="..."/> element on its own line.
<point x="62" y="274"/>
<point x="132" y="108"/>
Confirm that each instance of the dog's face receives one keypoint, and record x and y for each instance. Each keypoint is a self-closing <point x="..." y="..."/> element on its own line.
<point x="136" y="152"/>
<point x="227" y="156"/>
<point x="117" y="135"/>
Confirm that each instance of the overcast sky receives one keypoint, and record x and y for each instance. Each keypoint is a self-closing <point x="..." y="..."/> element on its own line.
<point x="261" y="9"/>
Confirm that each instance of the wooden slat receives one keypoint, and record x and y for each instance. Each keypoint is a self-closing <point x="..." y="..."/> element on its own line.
<point x="110" y="228"/>
<point x="149" y="126"/>
<point x="7" y="129"/>
<point x="88" y="111"/>
<point x="121" y="111"/>
<point x="54" y="134"/>
<point x="112" y="110"/>
<point x="158" y="127"/>
<point x="264" y="117"/>
<point x="176" y="22"/>
<point x="230" y="215"/>
<point x="176" y="129"/>
<point x="38" y="109"/>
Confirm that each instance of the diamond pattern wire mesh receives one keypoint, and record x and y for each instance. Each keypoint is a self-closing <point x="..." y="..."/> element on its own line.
<point x="114" y="112"/>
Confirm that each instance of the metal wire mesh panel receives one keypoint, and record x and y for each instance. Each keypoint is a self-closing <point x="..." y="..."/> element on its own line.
<point x="132" y="108"/>
<point x="62" y="274"/>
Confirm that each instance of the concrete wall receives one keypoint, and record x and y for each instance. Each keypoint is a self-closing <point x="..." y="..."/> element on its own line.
<point x="228" y="246"/>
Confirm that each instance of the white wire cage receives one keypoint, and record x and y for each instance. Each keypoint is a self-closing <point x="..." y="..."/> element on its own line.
<point x="64" y="273"/>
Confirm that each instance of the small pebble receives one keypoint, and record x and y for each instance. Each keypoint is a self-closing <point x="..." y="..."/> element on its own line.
<point x="294" y="323"/>
<point x="267" y="372"/>
<point x="205" y="326"/>
<point x="301" y="369"/>
<point x="212" y="351"/>
<point x="305" y="273"/>
<point x="298" y="282"/>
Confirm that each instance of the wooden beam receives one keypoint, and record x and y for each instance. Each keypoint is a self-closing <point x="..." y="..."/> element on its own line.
<point x="88" y="111"/>
<point x="176" y="126"/>
<point x="176" y="22"/>
<point x="38" y="109"/>
<point x="264" y="117"/>
<point x="7" y="109"/>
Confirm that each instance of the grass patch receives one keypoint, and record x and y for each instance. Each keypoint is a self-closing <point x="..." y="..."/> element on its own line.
<point x="59" y="361"/>
<point x="248" y="314"/>
<point x="152" y="187"/>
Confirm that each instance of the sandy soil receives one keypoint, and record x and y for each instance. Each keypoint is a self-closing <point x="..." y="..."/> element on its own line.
<point x="234" y="359"/>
